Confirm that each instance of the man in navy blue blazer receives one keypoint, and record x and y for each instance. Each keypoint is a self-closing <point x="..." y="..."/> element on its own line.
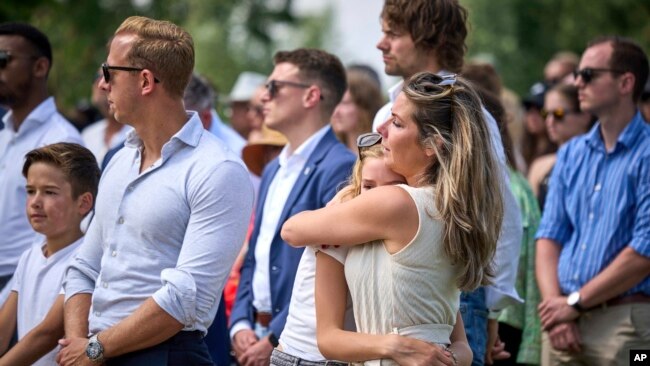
<point x="301" y="94"/>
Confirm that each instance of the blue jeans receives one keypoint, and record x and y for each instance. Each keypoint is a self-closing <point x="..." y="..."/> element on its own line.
<point x="183" y="349"/>
<point x="475" y="315"/>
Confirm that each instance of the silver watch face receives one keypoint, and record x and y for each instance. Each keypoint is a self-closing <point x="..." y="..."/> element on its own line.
<point x="573" y="298"/>
<point x="94" y="350"/>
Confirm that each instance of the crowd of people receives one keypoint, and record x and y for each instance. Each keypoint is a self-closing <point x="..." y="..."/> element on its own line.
<point x="451" y="224"/>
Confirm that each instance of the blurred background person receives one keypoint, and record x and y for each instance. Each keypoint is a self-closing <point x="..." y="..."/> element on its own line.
<point x="200" y="96"/>
<point x="361" y="101"/>
<point x="563" y="120"/>
<point x="106" y="133"/>
<point x="535" y="141"/>
<point x="242" y="92"/>
<point x="32" y="121"/>
<point x="509" y="108"/>
<point x="559" y="69"/>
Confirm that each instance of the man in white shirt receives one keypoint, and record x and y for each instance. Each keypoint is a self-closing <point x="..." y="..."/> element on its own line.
<point x="171" y="216"/>
<point x="104" y="134"/>
<point x="32" y="121"/>
<point x="302" y="92"/>
<point x="423" y="35"/>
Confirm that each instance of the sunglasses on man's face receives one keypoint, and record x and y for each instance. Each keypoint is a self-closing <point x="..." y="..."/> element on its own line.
<point x="588" y="73"/>
<point x="6" y="57"/>
<point x="107" y="73"/>
<point x="367" y="140"/>
<point x="558" y="113"/>
<point x="273" y="86"/>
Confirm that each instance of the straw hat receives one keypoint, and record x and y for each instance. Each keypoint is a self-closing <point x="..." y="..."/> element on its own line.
<point x="253" y="152"/>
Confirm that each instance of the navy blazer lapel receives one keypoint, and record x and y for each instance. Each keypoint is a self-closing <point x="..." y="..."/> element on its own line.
<point x="324" y="145"/>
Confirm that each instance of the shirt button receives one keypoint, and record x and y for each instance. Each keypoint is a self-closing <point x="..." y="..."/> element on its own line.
<point x="274" y="268"/>
<point x="120" y="220"/>
<point x="277" y="310"/>
<point x="575" y="276"/>
<point x="105" y="285"/>
<point x="97" y="313"/>
<point x="591" y="216"/>
<point x="597" y="187"/>
<point x="584" y="247"/>
<point x="114" y="253"/>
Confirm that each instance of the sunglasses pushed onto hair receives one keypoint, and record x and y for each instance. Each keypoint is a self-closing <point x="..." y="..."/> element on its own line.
<point x="107" y="74"/>
<point x="367" y="140"/>
<point x="588" y="73"/>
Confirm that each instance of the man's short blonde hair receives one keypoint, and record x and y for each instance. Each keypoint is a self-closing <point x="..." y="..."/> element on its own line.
<point x="162" y="47"/>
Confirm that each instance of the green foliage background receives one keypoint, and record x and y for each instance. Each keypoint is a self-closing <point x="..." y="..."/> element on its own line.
<point x="519" y="36"/>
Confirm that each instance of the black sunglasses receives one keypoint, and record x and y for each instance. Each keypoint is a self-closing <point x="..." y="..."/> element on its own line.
<point x="587" y="74"/>
<point x="6" y="57"/>
<point x="558" y="113"/>
<point x="274" y="85"/>
<point x="107" y="74"/>
<point x="366" y="140"/>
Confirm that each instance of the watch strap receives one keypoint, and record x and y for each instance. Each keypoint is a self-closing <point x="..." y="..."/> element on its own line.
<point x="273" y="340"/>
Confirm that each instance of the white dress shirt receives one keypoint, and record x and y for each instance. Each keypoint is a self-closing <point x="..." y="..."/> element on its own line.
<point x="43" y="126"/>
<point x="291" y="165"/>
<point x="506" y="259"/>
<point x="171" y="232"/>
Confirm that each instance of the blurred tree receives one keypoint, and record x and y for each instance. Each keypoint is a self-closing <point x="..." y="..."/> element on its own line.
<point x="229" y="35"/>
<point x="522" y="35"/>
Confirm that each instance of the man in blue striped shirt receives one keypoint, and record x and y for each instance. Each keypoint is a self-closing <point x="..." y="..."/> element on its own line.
<point x="593" y="244"/>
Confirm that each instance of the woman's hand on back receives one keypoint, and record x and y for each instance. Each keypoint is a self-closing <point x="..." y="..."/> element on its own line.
<point x="411" y="351"/>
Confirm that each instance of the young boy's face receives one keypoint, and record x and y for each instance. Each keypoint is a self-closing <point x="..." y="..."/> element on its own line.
<point x="51" y="210"/>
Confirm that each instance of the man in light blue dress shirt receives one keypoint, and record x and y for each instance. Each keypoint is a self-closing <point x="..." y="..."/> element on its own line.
<point x="171" y="215"/>
<point x="593" y="244"/>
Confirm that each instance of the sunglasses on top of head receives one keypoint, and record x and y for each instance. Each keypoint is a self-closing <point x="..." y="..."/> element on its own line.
<point x="367" y="140"/>
<point x="588" y="73"/>
<point x="273" y="86"/>
<point x="107" y="74"/>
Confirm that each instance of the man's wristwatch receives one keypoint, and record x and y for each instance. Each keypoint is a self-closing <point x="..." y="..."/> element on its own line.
<point x="95" y="350"/>
<point x="273" y="340"/>
<point x="573" y="300"/>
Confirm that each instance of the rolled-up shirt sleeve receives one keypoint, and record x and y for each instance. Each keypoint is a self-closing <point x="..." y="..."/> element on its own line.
<point x="221" y="203"/>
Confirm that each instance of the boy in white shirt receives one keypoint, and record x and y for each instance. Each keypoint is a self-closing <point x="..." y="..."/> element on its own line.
<point x="62" y="182"/>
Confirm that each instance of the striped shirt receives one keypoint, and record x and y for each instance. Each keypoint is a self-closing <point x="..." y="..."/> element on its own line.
<point x="599" y="203"/>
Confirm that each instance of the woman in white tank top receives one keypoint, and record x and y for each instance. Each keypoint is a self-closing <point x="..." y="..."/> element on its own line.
<point x="426" y="240"/>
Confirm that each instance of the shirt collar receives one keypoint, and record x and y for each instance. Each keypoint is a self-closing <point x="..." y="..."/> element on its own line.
<point x="189" y="134"/>
<point x="305" y="149"/>
<point x="37" y="116"/>
<point x="627" y="138"/>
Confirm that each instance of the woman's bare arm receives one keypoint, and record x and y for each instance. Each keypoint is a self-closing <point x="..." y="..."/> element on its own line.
<point x="387" y="213"/>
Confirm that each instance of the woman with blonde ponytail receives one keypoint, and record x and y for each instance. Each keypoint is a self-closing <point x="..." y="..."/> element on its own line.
<point x="412" y="247"/>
